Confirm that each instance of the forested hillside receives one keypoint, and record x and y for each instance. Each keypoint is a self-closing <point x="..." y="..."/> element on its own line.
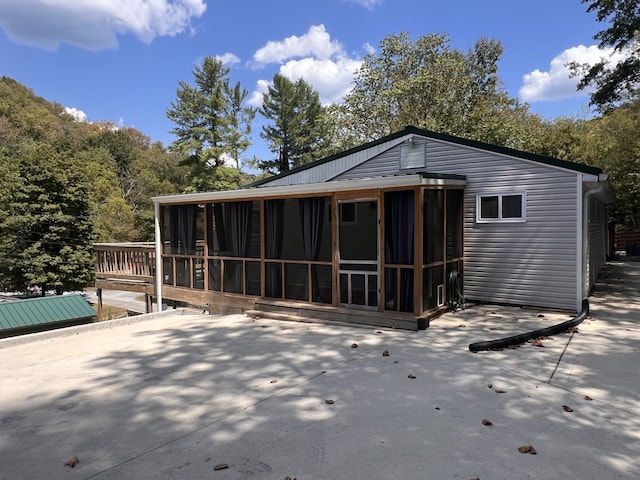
<point x="67" y="184"/>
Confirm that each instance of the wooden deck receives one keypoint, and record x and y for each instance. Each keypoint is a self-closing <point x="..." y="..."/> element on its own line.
<point x="128" y="267"/>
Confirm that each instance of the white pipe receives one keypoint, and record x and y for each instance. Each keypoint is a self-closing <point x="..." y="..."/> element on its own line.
<point x="158" y="235"/>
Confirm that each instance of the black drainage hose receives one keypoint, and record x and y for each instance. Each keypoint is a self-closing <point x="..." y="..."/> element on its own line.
<point x="525" y="337"/>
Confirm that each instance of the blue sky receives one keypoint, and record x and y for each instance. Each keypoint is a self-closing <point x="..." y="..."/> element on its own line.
<point x="121" y="60"/>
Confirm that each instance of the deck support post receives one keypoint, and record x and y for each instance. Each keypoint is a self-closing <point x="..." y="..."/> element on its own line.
<point x="99" y="295"/>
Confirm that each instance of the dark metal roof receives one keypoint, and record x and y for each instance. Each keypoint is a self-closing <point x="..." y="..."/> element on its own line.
<point x="33" y="312"/>
<point x="410" y="130"/>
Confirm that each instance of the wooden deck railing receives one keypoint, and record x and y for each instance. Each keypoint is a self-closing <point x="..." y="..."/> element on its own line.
<point x="126" y="261"/>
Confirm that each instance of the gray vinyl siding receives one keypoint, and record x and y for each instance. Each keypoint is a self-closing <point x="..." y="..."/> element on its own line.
<point x="530" y="263"/>
<point x="330" y="170"/>
<point x="382" y="165"/>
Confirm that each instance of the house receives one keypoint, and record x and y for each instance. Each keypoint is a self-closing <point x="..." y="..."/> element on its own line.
<point x="390" y="233"/>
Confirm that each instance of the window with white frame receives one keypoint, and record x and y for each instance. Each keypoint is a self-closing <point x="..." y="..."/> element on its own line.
<point x="501" y="207"/>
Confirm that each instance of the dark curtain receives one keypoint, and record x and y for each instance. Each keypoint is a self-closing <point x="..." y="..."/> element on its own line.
<point x="240" y="213"/>
<point x="188" y="226"/>
<point x="399" y="233"/>
<point x="183" y="225"/>
<point x="218" y="220"/>
<point x="312" y="221"/>
<point x="274" y="234"/>
<point x="174" y="235"/>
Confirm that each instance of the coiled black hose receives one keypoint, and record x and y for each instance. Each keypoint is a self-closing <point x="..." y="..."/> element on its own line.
<point x="525" y="337"/>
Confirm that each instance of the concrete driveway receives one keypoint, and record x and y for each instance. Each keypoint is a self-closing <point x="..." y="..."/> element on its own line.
<point x="175" y="396"/>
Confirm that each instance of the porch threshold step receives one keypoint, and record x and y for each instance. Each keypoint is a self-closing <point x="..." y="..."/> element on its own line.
<point x="340" y="319"/>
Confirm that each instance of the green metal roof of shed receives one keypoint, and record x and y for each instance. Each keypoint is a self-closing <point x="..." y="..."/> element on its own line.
<point x="44" y="310"/>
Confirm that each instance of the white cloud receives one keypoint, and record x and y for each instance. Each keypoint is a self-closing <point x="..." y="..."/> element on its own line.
<point x="314" y="57"/>
<point x="228" y="59"/>
<point x="331" y="78"/>
<point x="79" y="115"/>
<point x="94" y="24"/>
<point x="316" y="42"/>
<point x="255" y="100"/>
<point x="370" y="49"/>
<point x="557" y="83"/>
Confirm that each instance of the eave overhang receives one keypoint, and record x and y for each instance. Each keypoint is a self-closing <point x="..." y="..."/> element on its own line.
<point x="408" y="179"/>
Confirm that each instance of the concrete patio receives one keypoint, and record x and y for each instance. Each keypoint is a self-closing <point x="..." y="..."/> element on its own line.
<point x="176" y="395"/>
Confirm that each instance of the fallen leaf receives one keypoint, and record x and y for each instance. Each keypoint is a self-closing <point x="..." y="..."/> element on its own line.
<point x="72" y="463"/>
<point x="437" y="408"/>
<point x="411" y="375"/>
<point x="540" y="315"/>
<point x="499" y="391"/>
<point x="567" y="408"/>
<point x="587" y="397"/>
<point x="354" y="345"/>
<point x="329" y="402"/>
<point x="492" y="328"/>
<point x="486" y="422"/>
<point x="274" y="381"/>
<point x="537" y="343"/>
<point x="462" y="325"/>
<point x="527" y="449"/>
<point x="385" y="353"/>
<point x="221" y="466"/>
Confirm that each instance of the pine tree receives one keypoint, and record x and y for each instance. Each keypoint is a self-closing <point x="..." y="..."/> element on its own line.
<point x="296" y="134"/>
<point x="208" y="118"/>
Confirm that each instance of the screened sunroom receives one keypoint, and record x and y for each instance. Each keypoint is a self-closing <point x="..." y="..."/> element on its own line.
<point x="384" y="251"/>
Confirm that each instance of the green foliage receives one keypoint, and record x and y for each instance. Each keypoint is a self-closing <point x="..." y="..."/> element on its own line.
<point x="615" y="82"/>
<point x="612" y="144"/>
<point x="240" y="119"/>
<point x="428" y="84"/>
<point x="66" y="184"/>
<point x="46" y="233"/>
<point x="296" y="134"/>
<point x="211" y="123"/>
<point x="119" y="145"/>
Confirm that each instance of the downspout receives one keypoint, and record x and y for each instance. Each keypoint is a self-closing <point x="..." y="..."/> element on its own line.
<point x="158" y="279"/>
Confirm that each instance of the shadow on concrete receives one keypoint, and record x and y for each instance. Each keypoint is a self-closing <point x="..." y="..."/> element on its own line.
<point x="175" y="396"/>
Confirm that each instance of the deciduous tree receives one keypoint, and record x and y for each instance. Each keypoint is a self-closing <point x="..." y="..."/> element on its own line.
<point x="428" y="84"/>
<point x="46" y="233"/>
<point x="615" y="81"/>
